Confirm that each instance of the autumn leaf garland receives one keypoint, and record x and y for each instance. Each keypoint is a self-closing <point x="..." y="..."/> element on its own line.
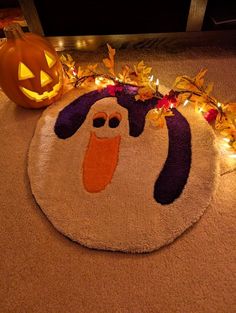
<point x="185" y="90"/>
<point x="221" y="116"/>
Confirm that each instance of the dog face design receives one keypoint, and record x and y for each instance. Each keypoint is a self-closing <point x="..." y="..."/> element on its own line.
<point x="107" y="180"/>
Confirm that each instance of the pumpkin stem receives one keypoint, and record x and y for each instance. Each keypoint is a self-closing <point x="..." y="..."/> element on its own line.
<point x="13" y="31"/>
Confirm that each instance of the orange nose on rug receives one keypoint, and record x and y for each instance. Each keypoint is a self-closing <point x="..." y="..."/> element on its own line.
<point x="100" y="162"/>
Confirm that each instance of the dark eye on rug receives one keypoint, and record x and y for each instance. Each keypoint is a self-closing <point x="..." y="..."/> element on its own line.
<point x="114" y="122"/>
<point x="99" y="122"/>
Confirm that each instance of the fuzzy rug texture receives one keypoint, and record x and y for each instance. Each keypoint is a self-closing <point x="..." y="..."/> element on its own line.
<point x="126" y="186"/>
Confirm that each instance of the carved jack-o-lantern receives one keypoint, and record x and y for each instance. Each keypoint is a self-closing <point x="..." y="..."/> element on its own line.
<point x="31" y="74"/>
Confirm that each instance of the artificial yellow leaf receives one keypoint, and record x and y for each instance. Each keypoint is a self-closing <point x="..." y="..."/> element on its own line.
<point x="80" y="72"/>
<point x="156" y="118"/>
<point x="93" y="67"/>
<point x="209" y="88"/>
<point x="225" y="132"/>
<point x="62" y="58"/>
<point x="141" y="73"/>
<point x="139" y="67"/>
<point x="200" y="99"/>
<point x="160" y="123"/>
<point x="133" y="76"/>
<point x="182" y="83"/>
<point x="234" y="145"/>
<point x="230" y="107"/>
<point x="222" y="122"/>
<point x="124" y="76"/>
<point x="153" y="114"/>
<point x="199" y="78"/>
<point x="168" y="113"/>
<point x="182" y="97"/>
<point x="109" y="62"/>
<point x="67" y="60"/>
<point x="200" y="107"/>
<point x="144" y="93"/>
<point x="229" y="132"/>
<point x="90" y="70"/>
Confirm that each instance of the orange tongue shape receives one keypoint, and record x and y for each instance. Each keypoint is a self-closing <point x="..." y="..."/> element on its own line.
<point x="100" y="162"/>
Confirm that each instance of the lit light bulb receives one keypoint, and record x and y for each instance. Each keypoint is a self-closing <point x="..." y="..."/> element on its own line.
<point x="151" y="78"/>
<point x="219" y="104"/>
<point x="225" y="145"/>
<point x="103" y="82"/>
<point x="78" y="44"/>
<point x="171" y="105"/>
<point x="157" y="85"/>
<point x="61" y="43"/>
<point x="98" y="81"/>
<point x="185" y="102"/>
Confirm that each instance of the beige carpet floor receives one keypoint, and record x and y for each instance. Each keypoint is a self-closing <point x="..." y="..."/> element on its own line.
<point x="42" y="271"/>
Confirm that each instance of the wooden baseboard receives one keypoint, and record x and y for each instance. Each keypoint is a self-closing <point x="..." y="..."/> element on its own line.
<point x="148" y="41"/>
<point x="163" y="41"/>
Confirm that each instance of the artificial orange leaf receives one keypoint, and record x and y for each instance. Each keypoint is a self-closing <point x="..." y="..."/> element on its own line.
<point x="112" y="51"/>
<point x="108" y="63"/>
<point x="90" y="70"/>
<point x="93" y="67"/>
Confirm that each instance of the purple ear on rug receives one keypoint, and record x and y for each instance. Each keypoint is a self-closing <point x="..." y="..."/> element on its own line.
<point x="174" y="175"/>
<point x="73" y="115"/>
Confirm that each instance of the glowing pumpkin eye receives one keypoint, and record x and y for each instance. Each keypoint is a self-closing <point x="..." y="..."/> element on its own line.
<point x="24" y="72"/>
<point x="50" y="59"/>
<point x="44" y="78"/>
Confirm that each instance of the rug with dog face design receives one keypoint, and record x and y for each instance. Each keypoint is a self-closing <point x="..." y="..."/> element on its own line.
<point x="108" y="180"/>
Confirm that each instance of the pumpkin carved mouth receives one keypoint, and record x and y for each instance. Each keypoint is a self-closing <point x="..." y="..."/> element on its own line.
<point x="33" y="95"/>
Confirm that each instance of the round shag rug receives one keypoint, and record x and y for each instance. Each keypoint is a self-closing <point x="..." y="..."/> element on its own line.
<point x="108" y="180"/>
